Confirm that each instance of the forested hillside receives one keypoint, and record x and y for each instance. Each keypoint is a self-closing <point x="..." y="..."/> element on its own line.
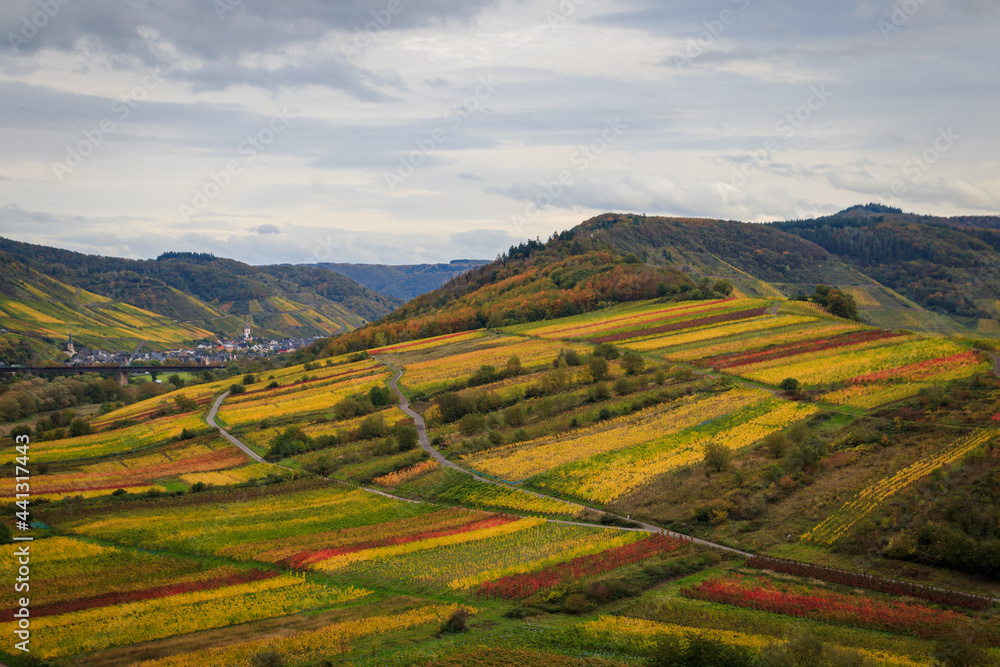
<point x="532" y="281"/>
<point x="949" y="265"/>
<point x="213" y="292"/>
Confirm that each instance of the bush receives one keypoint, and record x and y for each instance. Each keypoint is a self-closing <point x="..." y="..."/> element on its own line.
<point x="185" y="403"/>
<point x="633" y="363"/>
<point x="606" y="351"/>
<point x="717" y="457"/>
<point x="372" y="427"/>
<point x="187" y="434"/>
<point x="598" y="367"/>
<point x="249" y="378"/>
<point x="267" y="659"/>
<point x="789" y="385"/>
<point x="380" y="396"/>
<point x="514" y="416"/>
<point x="776" y="444"/>
<point x="289" y="443"/>
<point x="79" y="427"/>
<point x="6" y="535"/>
<point x="237" y="389"/>
<point x="623" y="386"/>
<point x="273" y="384"/>
<point x="472" y="423"/>
<point x="698" y="650"/>
<point x="198" y="487"/>
<point x="599" y="392"/>
<point x="457" y="622"/>
<point x="407" y="437"/>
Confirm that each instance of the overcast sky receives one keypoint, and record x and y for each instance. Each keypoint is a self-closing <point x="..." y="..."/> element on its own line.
<point x="409" y="131"/>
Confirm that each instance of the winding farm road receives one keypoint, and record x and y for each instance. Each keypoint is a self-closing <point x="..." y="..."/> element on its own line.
<point x="225" y="434"/>
<point x="425" y="444"/>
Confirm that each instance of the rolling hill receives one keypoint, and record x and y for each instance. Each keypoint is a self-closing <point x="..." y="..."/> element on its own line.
<point x="214" y="294"/>
<point x="40" y="312"/>
<point x="616" y="258"/>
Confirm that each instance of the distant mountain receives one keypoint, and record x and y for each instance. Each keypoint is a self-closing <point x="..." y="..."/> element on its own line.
<point x="214" y="294"/>
<point x="404" y="281"/>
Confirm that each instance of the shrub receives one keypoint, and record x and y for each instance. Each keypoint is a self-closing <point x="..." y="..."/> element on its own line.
<point x="457" y="622"/>
<point x="717" y="457"/>
<point x="273" y="384"/>
<point x="633" y="363"/>
<point x="198" y="487"/>
<point x="607" y="351"/>
<point x="237" y="389"/>
<point x="249" y="378"/>
<point x="789" y="385"/>
<point x="472" y="423"/>
<point x="79" y="427"/>
<point x="380" y="396"/>
<point x="372" y="427"/>
<point x="699" y="650"/>
<point x="776" y="444"/>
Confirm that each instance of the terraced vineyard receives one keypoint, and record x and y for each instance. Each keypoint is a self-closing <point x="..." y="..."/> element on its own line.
<point x="574" y="491"/>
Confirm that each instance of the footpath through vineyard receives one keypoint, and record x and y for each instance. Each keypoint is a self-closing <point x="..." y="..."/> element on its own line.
<point x="644" y="527"/>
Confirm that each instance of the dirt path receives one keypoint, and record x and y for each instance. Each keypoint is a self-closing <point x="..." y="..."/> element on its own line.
<point x="425" y="444"/>
<point x="210" y="418"/>
<point x="996" y="363"/>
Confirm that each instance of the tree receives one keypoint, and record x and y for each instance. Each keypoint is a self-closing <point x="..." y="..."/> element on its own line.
<point x="717" y="457"/>
<point x="514" y="366"/>
<point x="598" y="368"/>
<point x="633" y="363"/>
<point x="607" y="350"/>
<point x="79" y="427"/>
<point x="249" y="378"/>
<point x="776" y="444"/>
<point x="237" y="389"/>
<point x="176" y="380"/>
<point x="6" y="535"/>
<point x="372" y="427"/>
<point x="789" y="385"/>
<point x="380" y="396"/>
<point x="407" y="437"/>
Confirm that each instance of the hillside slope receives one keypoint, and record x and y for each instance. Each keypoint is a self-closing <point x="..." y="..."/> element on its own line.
<point x="404" y="281"/>
<point x="215" y="293"/>
<point x="947" y="265"/>
<point x="39" y="313"/>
